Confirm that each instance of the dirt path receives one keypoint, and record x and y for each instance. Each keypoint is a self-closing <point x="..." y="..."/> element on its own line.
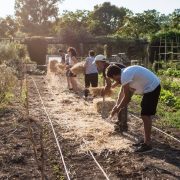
<point x="76" y="121"/>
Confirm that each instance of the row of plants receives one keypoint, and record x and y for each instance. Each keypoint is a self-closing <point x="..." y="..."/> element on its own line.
<point x="169" y="84"/>
<point x="7" y="83"/>
<point x="170" y="72"/>
<point x="169" y="99"/>
<point x="11" y="55"/>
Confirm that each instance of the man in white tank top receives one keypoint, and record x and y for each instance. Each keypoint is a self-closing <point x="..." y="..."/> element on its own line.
<point x="137" y="80"/>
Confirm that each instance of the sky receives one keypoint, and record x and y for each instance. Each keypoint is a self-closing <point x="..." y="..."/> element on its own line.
<point x="137" y="6"/>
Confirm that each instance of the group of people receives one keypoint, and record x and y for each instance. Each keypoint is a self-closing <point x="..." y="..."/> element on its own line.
<point x="132" y="79"/>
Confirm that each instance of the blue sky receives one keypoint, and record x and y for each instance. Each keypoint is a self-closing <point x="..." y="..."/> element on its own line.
<point x="163" y="6"/>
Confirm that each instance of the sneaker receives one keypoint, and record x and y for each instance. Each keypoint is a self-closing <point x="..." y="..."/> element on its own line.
<point x="143" y="148"/>
<point x="139" y="143"/>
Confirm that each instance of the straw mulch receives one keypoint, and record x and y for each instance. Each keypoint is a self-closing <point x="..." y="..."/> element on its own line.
<point x="105" y="106"/>
<point x="52" y="66"/>
<point x="78" y="68"/>
<point x="100" y="91"/>
<point x="60" y="68"/>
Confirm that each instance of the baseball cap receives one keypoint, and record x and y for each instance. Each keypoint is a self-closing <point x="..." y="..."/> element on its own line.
<point x="99" y="57"/>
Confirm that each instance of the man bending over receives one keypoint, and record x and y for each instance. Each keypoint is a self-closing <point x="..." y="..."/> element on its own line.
<point x="137" y="80"/>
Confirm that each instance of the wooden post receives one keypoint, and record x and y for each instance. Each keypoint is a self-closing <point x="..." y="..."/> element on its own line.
<point x="172" y="51"/>
<point x="147" y="55"/>
<point x="160" y="50"/>
<point x="104" y="82"/>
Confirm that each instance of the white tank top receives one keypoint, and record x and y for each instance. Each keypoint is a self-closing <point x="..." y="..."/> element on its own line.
<point x="71" y="62"/>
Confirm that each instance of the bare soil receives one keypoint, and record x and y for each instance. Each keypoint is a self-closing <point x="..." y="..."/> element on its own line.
<point x="80" y="129"/>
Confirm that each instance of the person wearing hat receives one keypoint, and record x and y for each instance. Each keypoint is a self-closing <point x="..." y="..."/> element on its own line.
<point x="102" y="64"/>
<point x="137" y="80"/>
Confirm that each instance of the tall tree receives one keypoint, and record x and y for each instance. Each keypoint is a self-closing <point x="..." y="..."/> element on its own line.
<point x="107" y="18"/>
<point x="175" y="19"/>
<point x="72" y="27"/>
<point x="141" y="25"/>
<point x="36" y="16"/>
<point x="75" y="19"/>
<point x="164" y="21"/>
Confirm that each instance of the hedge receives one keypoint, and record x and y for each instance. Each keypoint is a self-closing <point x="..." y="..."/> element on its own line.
<point x="37" y="48"/>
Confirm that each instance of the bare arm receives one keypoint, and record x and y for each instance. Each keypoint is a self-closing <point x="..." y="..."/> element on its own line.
<point x="74" y="59"/>
<point x="109" y="85"/>
<point x="115" y="84"/>
<point x="127" y="94"/>
<point x="123" y="99"/>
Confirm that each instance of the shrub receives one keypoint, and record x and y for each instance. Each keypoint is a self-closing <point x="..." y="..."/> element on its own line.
<point x="170" y="85"/>
<point x="37" y="48"/>
<point x="169" y="99"/>
<point x="10" y="51"/>
<point x="7" y="51"/>
<point x="7" y="82"/>
<point x="170" y="72"/>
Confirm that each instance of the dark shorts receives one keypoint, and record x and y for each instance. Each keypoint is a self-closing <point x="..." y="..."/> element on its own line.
<point x="149" y="102"/>
<point x="70" y="74"/>
<point x="91" y="80"/>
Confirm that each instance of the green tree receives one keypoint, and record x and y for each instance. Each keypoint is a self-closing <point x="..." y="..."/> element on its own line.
<point x="72" y="27"/>
<point x="164" y="21"/>
<point x="8" y="27"/>
<point x="175" y="19"/>
<point x="141" y="25"/>
<point x="74" y="20"/>
<point x="107" y="18"/>
<point x="36" y="16"/>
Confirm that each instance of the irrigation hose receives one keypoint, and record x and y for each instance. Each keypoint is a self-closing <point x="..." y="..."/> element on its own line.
<point x="157" y="129"/>
<point x="104" y="173"/>
<point x="55" y="136"/>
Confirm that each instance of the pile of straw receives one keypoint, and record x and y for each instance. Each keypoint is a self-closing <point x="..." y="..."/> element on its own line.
<point x="100" y="91"/>
<point x="60" y="68"/>
<point x="105" y="107"/>
<point x="78" y="68"/>
<point x="52" y="66"/>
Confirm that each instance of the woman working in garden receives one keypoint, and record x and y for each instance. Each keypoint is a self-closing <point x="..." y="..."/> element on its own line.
<point x="70" y="62"/>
